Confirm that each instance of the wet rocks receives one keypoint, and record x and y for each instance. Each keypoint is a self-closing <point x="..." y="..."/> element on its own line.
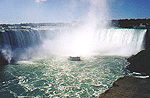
<point x="3" y="61"/>
<point x="140" y="62"/>
<point x="128" y="87"/>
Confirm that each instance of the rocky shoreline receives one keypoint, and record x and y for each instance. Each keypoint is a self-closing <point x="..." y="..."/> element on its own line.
<point x="133" y="86"/>
<point x="129" y="87"/>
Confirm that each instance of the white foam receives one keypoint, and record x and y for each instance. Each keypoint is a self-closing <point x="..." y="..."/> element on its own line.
<point x="25" y="62"/>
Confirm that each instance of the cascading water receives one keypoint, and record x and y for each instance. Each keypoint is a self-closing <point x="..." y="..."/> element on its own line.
<point x="21" y="38"/>
<point x="121" y="42"/>
<point x="18" y="41"/>
<point x="58" y="77"/>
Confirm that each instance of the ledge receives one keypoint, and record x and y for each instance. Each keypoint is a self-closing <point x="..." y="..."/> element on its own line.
<point x="129" y="87"/>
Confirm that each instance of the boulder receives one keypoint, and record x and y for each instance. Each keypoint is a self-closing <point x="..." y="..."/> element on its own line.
<point x="3" y="60"/>
<point x="140" y="62"/>
<point x="128" y="87"/>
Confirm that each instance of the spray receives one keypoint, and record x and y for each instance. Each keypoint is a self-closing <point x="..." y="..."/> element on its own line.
<point x="82" y="39"/>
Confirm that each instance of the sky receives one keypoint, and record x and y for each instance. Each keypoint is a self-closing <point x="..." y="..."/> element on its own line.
<point x="40" y="11"/>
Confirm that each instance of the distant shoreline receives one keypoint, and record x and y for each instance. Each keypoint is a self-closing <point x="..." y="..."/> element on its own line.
<point x="120" y="23"/>
<point x="132" y="23"/>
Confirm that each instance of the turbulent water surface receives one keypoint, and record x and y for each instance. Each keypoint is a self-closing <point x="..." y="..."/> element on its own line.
<point x="43" y="70"/>
<point x="59" y="77"/>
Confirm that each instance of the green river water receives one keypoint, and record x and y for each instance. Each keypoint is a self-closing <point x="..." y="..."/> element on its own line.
<point x="56" y="77"/>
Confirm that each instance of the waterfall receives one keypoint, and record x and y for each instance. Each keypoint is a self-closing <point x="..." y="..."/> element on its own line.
<point x="121" y="42"/>
<point x="18" y="41"/>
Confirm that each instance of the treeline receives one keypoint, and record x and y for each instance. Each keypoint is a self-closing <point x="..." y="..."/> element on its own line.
<point x="132" y="23"/>
<point x="121" y="23"/>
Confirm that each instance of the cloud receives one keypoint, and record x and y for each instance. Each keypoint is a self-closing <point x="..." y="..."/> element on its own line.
<point x="40" y="0"/>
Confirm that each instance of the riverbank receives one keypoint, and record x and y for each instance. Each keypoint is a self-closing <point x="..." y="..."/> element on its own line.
<point x="129" y="87"/>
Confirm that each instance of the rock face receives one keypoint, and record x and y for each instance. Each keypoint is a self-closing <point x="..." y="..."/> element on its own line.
<point x="128" y="87"/>
<point x="3" y="61"/>
<point x="140" y="62"/>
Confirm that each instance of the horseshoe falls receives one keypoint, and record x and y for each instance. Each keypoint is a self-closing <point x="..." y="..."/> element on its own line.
<point x="42" y="68"/>
<point x="119" y="42"/>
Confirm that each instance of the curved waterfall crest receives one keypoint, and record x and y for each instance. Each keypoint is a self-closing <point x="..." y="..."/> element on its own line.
<point x="122" y="42"/>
